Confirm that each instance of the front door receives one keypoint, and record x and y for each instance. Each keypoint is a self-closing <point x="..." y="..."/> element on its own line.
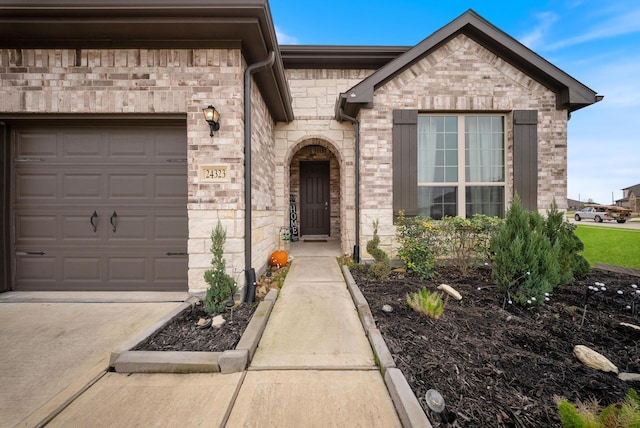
<point x="314" y="198"/>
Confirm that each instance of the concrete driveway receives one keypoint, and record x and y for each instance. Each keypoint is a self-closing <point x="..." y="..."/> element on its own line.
<point x="54" y="344"/>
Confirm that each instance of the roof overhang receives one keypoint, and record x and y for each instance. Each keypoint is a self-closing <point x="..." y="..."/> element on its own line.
<point x="570" y="94"/>
<point x="76" y="24"/>
<point x="339" y="57"/>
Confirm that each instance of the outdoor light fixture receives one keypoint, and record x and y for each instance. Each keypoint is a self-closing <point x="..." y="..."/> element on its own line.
<point x="212" y="117"/>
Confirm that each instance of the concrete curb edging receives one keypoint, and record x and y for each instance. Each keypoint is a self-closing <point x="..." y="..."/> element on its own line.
<point x="126" y="361"/>
<point x="404" y="400"/>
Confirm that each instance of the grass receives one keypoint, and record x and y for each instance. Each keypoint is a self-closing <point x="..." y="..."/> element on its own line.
<point x="620" y="247"/>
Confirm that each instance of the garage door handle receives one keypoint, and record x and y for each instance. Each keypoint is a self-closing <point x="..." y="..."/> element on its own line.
<point x="91" y="220"/>
<point x="176" y="254"/>
<point x="114" y="221"/>
<point x="30" y="253"/>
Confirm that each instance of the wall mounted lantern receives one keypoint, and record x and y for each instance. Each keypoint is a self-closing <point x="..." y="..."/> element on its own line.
<point x="212" y="117"/>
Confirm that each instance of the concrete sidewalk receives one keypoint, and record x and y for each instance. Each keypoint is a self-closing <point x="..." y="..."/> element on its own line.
<point x="314" y="367"/>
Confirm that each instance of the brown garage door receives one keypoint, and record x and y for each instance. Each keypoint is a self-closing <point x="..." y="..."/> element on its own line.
<point x="100" y="208"/>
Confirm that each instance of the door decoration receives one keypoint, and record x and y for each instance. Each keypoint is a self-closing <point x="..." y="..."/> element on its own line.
<point x="293" y="219"/>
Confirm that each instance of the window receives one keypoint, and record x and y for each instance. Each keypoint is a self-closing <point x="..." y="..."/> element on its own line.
<point x="461" y="167"/>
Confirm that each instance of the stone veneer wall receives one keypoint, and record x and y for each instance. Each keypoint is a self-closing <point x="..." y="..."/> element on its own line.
<point x="314" y="93"/>
<point x="461" y="76"/>
<point x="158" y="81"/>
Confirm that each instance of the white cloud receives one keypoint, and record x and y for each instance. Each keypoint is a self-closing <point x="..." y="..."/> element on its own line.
<point x="536" y="36"/>
<point x="628" y="21"/>
<point x="285" y="39"/>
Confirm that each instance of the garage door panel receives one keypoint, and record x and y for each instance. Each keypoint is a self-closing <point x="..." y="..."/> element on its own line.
<point x="36" y="187"/>
<point x="82" y="145"/>
<point x="37" y="144"/>
<point x="167" y="146"/>
<point x="82" y="268"/>
<point x="129" y="147"/>
<point x="123" y="186"/>
<point x="83" y="186"/>
<point x="169" y="186"/>
<point x="36" y="228"/>
<point x="167" y="269"/>
<point x="127" y="269"/>
<point x="129" y="227"/>
<point x="171" y="228"/>
<point x="37" y="269"/>
<point x="77" y="228"/>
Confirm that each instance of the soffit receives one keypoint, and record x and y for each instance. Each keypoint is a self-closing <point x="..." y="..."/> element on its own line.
<point x="241" y="24"/>
<point x="339" y="57"/>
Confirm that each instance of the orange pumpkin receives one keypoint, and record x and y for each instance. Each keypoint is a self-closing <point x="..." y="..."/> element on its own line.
<point x="279" y="258"/>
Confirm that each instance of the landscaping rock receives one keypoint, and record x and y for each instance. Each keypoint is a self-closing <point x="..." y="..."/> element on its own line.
<point x="218" y="321"/>
<point x="629" y="377"/>
<point x="593" y="359"/>
<point x="450" y="291"/>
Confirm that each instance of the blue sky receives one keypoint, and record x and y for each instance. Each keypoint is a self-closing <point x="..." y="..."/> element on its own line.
<point x="596" y="42"/>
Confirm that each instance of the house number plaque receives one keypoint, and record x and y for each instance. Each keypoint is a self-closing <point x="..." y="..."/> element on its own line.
<point x="214" y="173"/>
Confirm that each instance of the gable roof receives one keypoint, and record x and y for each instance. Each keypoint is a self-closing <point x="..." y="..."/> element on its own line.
<point x="571" y="94"/>
<point x="167" y="24"/>
<point x="633" y="189"/>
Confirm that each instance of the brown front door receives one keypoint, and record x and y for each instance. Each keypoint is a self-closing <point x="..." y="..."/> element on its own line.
<point x="314" y="198"/>
<point x="100" y="208"/>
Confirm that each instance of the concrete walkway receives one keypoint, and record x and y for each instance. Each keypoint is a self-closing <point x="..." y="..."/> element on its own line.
<point x="313" y="367"/>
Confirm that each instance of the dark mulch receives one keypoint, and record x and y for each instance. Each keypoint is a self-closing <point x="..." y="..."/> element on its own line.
<point x="500" y="367"/>
<point x="182" y="333"/>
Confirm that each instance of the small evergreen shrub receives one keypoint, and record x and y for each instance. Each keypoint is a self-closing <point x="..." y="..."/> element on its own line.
<point x="222" y="287"/>
<point x="418" y="239"/>
<point x="588" y="415"/>
<point x="525" y="264"/>
<point x="426" y="302"/>
<point x="381" y="267"/>
<point x="561" y="234"/>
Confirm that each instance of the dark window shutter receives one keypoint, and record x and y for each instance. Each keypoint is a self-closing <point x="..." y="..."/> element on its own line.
<point x="525" y="157"/>
<point x="405" y="161"/>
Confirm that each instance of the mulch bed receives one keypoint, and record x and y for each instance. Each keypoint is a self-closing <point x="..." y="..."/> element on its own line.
<point x="183" y="334"/>
<point x="500" y="367"/>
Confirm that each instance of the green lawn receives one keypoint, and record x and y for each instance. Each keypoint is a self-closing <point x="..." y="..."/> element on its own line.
<point x="620" y="247"/>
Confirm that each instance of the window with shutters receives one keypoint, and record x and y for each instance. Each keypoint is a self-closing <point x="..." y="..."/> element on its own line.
<point x="459" y="164"/>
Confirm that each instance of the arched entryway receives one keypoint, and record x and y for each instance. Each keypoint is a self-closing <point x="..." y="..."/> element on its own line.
<point x="314" y="186"/>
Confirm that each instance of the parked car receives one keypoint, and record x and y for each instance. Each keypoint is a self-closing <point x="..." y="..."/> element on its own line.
<point x="600" y="213"/>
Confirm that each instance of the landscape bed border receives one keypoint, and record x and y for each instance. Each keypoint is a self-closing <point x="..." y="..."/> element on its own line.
<point x="124" y="360"/>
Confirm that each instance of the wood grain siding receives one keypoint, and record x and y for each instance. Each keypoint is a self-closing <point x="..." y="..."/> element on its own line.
<point x="405" y="161"/>
<point x="525" y="157"/>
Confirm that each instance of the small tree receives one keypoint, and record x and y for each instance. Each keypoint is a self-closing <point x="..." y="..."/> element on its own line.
<point x="525" y="264"/>
<point x="221" y="286"/>
<point x="561" y="234"/>
<point x="381" y="266"/>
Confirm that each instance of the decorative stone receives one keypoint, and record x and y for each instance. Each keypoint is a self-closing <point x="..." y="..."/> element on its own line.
<point x="203" y="323"/>
<point x="218" y="321"/>
<point x="387" y="308"/>
<point x="450" y="291"/>
<point x="399" y="270"/>
<point x="593" y="359"/>
<point x="633" y="326"/>
<point x="629" y="377"/>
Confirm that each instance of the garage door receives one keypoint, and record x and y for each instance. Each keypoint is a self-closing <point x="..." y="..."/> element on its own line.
<point x="100" y="208"/>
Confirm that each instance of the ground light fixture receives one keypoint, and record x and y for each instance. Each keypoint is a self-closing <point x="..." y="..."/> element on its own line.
<point x="435" y="402"/>
<point x="212" y="117"/>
